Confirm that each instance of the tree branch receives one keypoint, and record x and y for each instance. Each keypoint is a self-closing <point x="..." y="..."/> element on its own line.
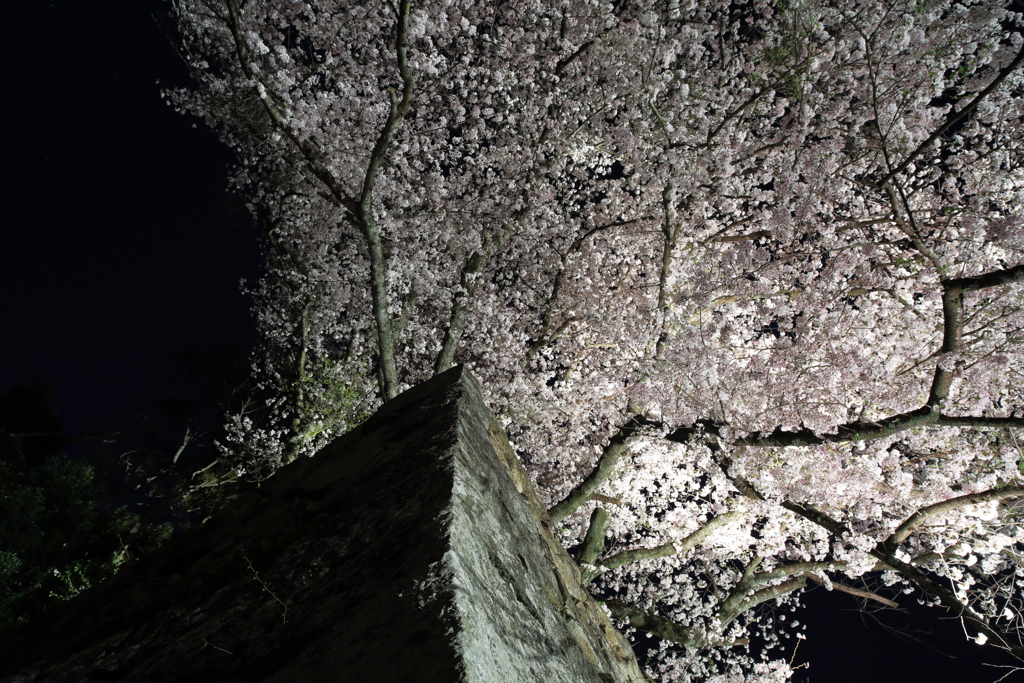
<point x="593" y="544"/>
<point x="952" y="603"/>
<point x="905" y="222"/>
<point x="782" y="571"/>
<point x="807" y="570"/>
<point x="617" y="447"/>
<point x="666" y="629"/>
<point x="361" y="210"/>
<point x="882" y="553"/>
<point x="566" y="61"/>
<point x="667" y="549"/>
<point x="474" y="264"/>
<point x="971" y="421"/>
<point x="296" y="438"/>
<point x="986" y="280"/>
<point x="854" y="431"/>
<point x="952" y="330"/>
<point x="953" y="323"/>
<point x="868" y="595"/>
<point x="750" y="237"/>
<point x="953" y="320"/>
<point x="468" y="281"/>
<point x="924" y="514"/>
<point x="670" y="233"/>
<point x="378" y="263"/>
<point x="309" y="152"/>
<point x="954" y="119"/>
<point x="742" y="599"/>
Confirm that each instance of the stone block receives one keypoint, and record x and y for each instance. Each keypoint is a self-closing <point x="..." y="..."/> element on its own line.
<point x="412" y="549"/>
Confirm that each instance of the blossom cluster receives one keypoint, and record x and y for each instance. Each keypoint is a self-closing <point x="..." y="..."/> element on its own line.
<point x="740" y="215"/>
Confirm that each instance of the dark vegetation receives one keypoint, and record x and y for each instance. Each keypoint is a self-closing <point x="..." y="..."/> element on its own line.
<point x="75" y="508"/>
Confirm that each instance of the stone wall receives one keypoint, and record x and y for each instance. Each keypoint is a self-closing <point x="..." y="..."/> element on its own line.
<point x="411" y="549"/>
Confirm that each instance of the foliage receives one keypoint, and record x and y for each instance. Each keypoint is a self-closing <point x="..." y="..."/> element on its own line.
<point x="75" y="509"/>
<point x="57" y="537"/>
<point x="748" y="275"/>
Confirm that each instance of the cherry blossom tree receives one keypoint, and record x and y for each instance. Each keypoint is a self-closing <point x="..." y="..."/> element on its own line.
<point x="741" y="279"/>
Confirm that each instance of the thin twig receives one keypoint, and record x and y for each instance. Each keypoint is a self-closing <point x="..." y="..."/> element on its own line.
<point x="208" y="643"/>
<point x="868" y="595"/>
<point x="266" y="587"/>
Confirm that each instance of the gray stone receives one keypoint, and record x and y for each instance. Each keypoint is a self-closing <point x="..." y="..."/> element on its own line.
<point x="411" y="549"/>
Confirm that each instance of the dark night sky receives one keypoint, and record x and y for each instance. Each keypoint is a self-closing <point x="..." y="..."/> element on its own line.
<point x="119" y="250"/>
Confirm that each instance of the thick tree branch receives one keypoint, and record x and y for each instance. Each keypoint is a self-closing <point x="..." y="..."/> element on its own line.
<point x="457" y="318"/>
<point x="399" y="108"/>
<point x="297" y="437"/>
<point x="881" y="552"/>
<point x="953" y="320"/>
<point x="953" y="325"/>
<point x="378" y="264"/>
<point x="924" y="514"/>
<point x="468" y="280"/>
<point x="743" y="598"/>
<point x="617" y="447"/>
<point x="971" y="421"/>
<point x="670" y="230"/>
<point x="675" y="548"/>
<point x="666" y="629"/>
<point x="593" y="544"/>
<point x="853" y="431"/>
<point x="952" y="331"/>
<point x="361" y="209"/>
<point x="566" y="61"/>
<point x="953" y="119"/>
<point x="986" y="280"/>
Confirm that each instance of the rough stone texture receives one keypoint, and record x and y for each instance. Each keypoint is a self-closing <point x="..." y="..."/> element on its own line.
<point x="411" y="549"/>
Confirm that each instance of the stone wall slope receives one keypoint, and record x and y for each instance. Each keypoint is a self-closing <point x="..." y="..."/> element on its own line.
<point x="412" y="549"/>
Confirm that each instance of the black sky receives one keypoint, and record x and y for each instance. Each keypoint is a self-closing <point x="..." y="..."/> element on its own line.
<point x="118" y="250"/>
